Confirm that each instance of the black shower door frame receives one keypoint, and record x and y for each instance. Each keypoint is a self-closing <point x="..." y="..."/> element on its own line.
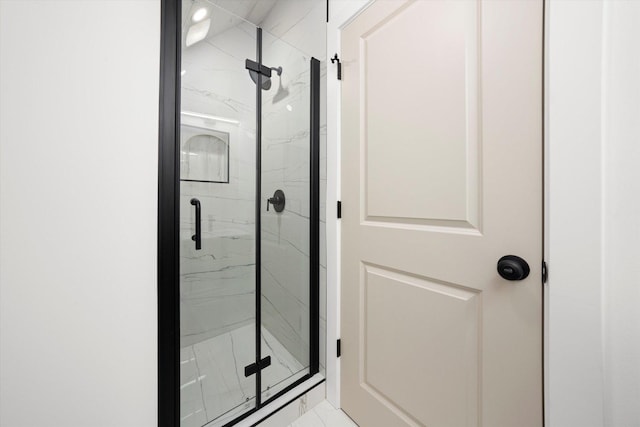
<point x="169" y="215"/>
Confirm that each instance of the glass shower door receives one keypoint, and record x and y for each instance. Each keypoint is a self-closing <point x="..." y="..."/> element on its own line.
<point x="286" y="237"/>
<point x="248" y="216"/>
<point x="217" y="216"/>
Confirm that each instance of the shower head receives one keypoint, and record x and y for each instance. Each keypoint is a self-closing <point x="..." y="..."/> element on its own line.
<point x="266" y="81"/>
<point x="281" y="94"/>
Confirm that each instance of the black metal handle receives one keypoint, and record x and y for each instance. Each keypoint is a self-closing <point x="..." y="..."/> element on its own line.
<point x="274" y="201"/>
<point x="277" y="201"/>
<point x="512" y="267"/>
<point x="198" y="236"/>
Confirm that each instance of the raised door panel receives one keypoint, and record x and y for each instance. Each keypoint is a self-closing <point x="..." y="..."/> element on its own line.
<point x="419" y="352"/>
<point x="420" y="114"/>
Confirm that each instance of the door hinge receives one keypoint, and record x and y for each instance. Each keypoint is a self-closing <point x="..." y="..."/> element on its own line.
<point x="336" y="59"/>
<point x="338" y="349"/>
<point x="253" y="368"/>
<point x="545" y="272"/>
<point x="339" y="209"/>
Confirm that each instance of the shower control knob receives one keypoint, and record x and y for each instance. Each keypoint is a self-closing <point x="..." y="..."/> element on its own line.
<point x="513" y="267"/>
<point x="277" y="201"/>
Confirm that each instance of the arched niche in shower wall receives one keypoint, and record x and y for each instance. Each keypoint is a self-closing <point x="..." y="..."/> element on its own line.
<point x="204" y="155"/>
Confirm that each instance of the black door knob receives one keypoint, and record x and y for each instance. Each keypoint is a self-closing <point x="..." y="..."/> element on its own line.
<point x="513" y="267"/>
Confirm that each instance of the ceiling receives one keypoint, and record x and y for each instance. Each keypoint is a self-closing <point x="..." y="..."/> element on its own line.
<point x="226" y="14"/>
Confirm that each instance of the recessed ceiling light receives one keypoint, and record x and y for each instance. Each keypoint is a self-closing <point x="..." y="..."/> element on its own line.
<point x="198" y="32"/>
<point x="199" y="14"/>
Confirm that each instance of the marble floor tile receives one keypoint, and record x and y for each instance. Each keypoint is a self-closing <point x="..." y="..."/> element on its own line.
<point x="192" y="413"/>
<point x="285" y="369"/>
<point x="324" y="415"/>
<point x="214" y="389"/>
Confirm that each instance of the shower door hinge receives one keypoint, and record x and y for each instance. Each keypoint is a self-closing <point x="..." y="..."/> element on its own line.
<point x="338" y="349"/>
<point x="339" y="209"/>
<point x="253" y="368"/>
<point x="336" y="59"/>
<point x="258" y="68"/>
<point x="545" y="272"/>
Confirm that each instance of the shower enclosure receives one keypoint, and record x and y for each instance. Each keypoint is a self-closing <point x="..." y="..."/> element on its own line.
<point x="248" y="144"/>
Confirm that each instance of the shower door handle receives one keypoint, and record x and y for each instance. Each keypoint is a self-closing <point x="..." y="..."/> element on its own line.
<point x="198" y="236"/>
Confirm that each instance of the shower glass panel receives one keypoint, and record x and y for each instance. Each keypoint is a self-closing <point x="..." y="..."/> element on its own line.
<point x="218" y="175"/>
<point x="248" y="211"/>
<point x="285" y="235"/>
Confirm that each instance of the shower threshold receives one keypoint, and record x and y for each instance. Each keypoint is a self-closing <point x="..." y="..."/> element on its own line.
<point x="214" y="390"/>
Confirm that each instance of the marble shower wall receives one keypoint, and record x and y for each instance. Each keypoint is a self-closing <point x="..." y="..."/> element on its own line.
<point x="296" y="32"/>
<point x="285" y="165"/>
<point x="217" y="282"/>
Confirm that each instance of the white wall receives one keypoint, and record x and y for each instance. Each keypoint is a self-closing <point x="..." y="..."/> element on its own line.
<point x="593" y="100"/>
<point x="78" y="184"/>
<point x="575" y="377"/>
<point x="621" y="231"/>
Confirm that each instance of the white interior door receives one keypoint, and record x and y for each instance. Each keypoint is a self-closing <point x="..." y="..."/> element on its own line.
<point x="441" y="177"/>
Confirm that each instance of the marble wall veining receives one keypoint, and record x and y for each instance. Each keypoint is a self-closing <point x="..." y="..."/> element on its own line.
<point x="218" y="282"/>
<point x="295" y="33"/>
<point x="285" y="238"/>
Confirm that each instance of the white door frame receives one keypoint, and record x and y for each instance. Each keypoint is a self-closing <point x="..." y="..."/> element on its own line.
<point x="545" y="214"/>
<point x="342" y="13"/>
